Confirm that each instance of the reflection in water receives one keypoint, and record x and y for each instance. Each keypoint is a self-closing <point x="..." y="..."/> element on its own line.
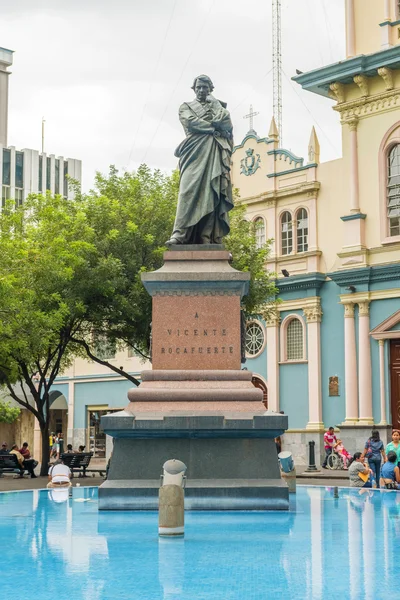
<point x="348" y="544"/>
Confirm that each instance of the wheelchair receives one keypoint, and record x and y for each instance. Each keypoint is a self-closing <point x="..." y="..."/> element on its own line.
<point x="335" y="461"/>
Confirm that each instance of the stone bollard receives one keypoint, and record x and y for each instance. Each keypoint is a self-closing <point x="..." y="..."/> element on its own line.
<point x="311" y="459"/>
<point x="290" y="479"/>
<point x="171" y="511"/>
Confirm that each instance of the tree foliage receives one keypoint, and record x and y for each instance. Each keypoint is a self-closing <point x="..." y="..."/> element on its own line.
<point x="70" y="275"/>
<point x="248" y="257"/>
<point x="48" y="269"/>
<point x="8" y="413"/>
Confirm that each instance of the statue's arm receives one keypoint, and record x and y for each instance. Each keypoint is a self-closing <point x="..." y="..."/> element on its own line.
<point x="192" y="123"/>
<point x="222" y="120"/>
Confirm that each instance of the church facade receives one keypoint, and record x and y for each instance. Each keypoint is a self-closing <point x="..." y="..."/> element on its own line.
<point x="330" y="353"/>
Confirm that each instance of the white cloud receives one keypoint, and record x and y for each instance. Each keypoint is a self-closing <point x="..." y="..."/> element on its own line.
<point x="109" y="77"/>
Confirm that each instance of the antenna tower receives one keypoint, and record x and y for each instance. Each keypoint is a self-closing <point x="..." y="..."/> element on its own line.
<point x="277" y="65"/>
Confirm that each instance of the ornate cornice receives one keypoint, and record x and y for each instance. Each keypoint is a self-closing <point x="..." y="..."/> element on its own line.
<point x="362" y="83"/>
<point x="311" y="188"/>
<point x="288" y="156"/>
<point x="320" y="80"/>
<point x="195" y="292"/>
<point x="387" y="76"/>
<point x="366" y="275"/>
<point x="337" y="91"/>
<point x="301" y="282"/>
<point x="367" y="106"/>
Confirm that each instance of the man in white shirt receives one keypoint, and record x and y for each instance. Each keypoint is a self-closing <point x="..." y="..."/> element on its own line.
<point x="59" y="475"/>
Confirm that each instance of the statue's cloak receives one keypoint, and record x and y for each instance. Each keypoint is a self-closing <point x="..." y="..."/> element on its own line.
<point x="204" y="164"/>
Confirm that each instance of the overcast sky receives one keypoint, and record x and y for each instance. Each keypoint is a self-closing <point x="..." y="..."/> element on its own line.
<point x="109" y="76"/>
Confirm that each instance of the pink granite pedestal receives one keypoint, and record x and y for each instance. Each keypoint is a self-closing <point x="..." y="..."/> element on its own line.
<point x="197" y="404"/>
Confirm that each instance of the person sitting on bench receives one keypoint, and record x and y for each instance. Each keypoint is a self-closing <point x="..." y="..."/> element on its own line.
<point x="29" y="465"/>
<point x="59" y="475"/>
<point x="4" y="449"/>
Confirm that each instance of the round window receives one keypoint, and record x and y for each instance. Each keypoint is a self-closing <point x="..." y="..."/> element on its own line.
<point x="255" y="338"/>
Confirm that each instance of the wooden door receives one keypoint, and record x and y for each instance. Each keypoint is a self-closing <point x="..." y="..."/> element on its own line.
<point x="395" y="382"/>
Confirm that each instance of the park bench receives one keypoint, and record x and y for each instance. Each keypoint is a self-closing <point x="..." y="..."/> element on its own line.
<point x="78" y="462"/>
<point x="9" y="464"/>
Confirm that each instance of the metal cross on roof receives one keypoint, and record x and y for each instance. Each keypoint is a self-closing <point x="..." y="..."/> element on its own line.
<point x="250" y="116"/>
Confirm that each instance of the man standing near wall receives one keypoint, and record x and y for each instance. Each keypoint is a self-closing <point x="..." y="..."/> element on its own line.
<point x="329" y="442"/>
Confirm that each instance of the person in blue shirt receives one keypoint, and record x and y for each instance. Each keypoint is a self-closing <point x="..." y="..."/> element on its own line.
<point x="390" y="473"/>
<point x="374" y="451"/>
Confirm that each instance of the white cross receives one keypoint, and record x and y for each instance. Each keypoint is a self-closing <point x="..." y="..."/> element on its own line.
<point x="250" y="116"/>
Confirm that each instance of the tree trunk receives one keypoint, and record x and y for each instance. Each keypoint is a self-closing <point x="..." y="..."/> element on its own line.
<point x="44" y="429"/>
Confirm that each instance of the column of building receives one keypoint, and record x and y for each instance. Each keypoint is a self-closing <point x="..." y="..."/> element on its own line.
<point x="364" y="367"/>
<point x="272" y="325"/>
<point x="313" y="314"/>
<point x="71" y="403"/>
<point x="382" y="395"/>
<point x="350" y="365"/>
<point x="358" y="382"/>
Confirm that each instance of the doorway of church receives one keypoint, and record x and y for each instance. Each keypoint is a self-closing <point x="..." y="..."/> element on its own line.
<point x="395" y="382"/>
<point x="259" y="383"/>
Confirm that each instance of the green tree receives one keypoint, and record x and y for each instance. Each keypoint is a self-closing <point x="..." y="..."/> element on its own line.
<point x="132" y="215"/>
<point x="8" y="414"/>
<point x="48" y="269"/>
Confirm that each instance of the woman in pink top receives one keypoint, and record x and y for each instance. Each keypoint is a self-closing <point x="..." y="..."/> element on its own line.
<point x="341" y="450"/>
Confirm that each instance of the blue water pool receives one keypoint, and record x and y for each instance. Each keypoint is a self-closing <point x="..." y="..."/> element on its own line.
<point x="58" y="547"/>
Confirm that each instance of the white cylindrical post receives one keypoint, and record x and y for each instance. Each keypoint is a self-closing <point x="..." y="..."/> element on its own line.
<point x="313" y="314"/>
<point x="382" y="381"/>
<point x="272" y="326"/>
<point x="354" y="181"/>
<point x="171" y="513"/>
<point x="350" y="361"/>
<point x="365" y="369"/>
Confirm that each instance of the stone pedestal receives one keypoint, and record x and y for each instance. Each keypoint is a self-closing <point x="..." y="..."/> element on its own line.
<point x="197" y="405"/>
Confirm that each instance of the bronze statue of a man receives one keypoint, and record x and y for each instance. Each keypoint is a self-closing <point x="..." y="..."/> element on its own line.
<point x="205" y="191"/>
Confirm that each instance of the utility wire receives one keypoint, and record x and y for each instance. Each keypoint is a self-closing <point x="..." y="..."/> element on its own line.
<point x="179" y="80"/>
<point x="150" y="88"/>
<point x="248" y="95"/>
<point x="310" y="113"/>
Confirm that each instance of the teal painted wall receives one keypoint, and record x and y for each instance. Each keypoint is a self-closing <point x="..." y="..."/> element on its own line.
<point x="61" y="387"/>
<point x="293" y="386"/>
<point x="110" y="393"/>
<point x="332" y="353"/>
<point x="258" y="364"/>
<point x="293" y="393"/>
<point x="379" y="311"/>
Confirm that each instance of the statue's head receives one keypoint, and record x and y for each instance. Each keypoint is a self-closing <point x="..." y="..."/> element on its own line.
<point x="202" y="86"/>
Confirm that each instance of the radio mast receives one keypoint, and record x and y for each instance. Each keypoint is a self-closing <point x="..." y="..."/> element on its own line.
<point x="277" y="65"/>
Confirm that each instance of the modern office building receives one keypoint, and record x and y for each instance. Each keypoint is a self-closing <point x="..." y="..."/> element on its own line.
<point x="23" y="172"/>
<point x="27" y="171"/>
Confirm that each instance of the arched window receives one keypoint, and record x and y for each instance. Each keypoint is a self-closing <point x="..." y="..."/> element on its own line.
<point x="259" y="225"/>
<point x="294" y="340"/>
<point x="393" y="191"/>
<point x="302" y="230"/>
<point x="286" y="233"/>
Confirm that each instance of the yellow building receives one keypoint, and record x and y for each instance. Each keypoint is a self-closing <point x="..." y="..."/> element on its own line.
<point x="331" y="354"/>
